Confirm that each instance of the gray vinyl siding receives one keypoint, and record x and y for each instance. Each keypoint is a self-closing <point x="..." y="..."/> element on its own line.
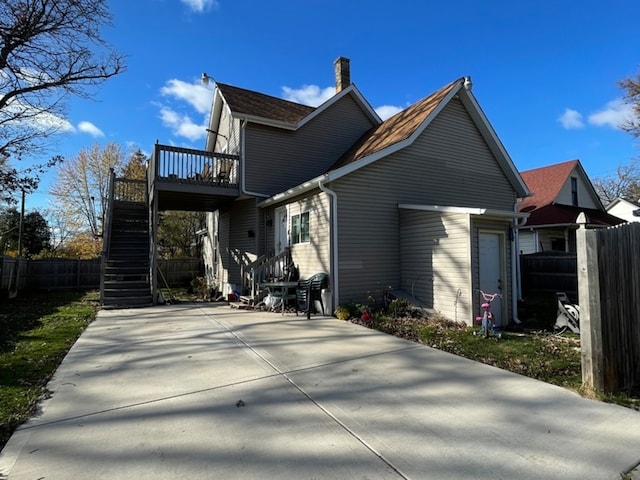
<point x="527" y="242"/>
<point x="278" y="159"/>
<point x="481" y="224"/>
<point x="449" y="164"/>
<point x="268" y="240"/>
<point x="314" y="256"/>
<point x="228" y="140"/>
<point x="224" y="220"/>
<point x="436" y="261"/>
<point x="236" y="246"/>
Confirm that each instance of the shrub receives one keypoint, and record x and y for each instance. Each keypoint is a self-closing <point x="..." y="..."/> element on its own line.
<point x="398" y="308"/>
<point x="200" y="288"/>
<point x="342" y="312"/>
<point x="350" y="310"/>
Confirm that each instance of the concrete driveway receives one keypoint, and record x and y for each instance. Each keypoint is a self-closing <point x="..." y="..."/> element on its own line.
<point x="207" y="392"/>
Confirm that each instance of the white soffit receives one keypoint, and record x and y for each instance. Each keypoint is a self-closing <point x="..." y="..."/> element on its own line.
<point x="466" y="210"/>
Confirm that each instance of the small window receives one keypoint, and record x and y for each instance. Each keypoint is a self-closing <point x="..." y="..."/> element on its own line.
<point x="574" y="191"/>
<point x="300" y="228"/>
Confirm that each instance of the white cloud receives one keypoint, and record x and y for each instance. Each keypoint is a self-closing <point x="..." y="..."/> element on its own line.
<point x="614" y="114"/>
<point x="571" y="119"/>
<point x="311" y="95"/>
<point x="201" y="5"/>
<point x="90" y="128"/>
<point x="196" y="95"/>
<point x="386" y="111"/>
<point x="182" y="125"/>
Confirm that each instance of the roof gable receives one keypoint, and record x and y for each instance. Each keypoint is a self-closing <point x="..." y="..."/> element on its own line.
<point x="403" y="129"/>
<point x="547" y="183"/>
<point x="266" y="109"/>
<point x="623" y="202"/>
<point x="254" y="104"/>
<point x="397" y="128"/>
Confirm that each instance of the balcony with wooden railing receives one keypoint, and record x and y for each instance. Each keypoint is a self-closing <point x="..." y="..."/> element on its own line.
<point x="193" y="180"/>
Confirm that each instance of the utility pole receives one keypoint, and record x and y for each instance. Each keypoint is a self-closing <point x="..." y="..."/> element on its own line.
<point x="20" y="226"/>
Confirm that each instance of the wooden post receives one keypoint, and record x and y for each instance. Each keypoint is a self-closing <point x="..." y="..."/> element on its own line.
<point x="589" y="301"/>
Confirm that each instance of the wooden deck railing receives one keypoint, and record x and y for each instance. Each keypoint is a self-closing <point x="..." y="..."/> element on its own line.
<point x="185" y="165"/>
<point x="125" y="190"/>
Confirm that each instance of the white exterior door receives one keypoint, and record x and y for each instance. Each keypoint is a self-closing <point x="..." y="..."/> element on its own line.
<point x="281" y="230"/>
<point x="491" y="255"/>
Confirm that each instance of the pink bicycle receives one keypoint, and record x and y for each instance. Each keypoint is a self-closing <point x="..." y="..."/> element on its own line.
<point x="487" y="325"/>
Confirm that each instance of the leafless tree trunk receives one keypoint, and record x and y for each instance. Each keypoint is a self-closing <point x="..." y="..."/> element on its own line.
<point x="49" y="50"/>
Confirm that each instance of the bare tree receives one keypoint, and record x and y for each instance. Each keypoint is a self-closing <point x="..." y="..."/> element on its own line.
<point x="60" y="230"/>
<point x="625" y="183"/>
<point x="631" y="89"/>
<point x="49" y="50"/>
<point x="81" y="187"/>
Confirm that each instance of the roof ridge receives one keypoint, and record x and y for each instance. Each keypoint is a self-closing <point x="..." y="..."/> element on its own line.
<point x="255" y="92"/>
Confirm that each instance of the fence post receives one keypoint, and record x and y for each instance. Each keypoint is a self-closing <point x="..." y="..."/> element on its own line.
<point x="589" y="301"/>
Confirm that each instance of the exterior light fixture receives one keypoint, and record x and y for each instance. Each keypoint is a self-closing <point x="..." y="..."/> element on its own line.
<point x="205" y="79"/>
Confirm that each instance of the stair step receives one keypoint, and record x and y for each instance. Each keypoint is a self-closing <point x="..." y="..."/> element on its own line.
<point x="130" y="284"/>
<point x="123" y="302"/>
<point x="118" y="288"/>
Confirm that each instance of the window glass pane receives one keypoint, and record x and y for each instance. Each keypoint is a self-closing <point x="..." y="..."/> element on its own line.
<point x="295" y="229"/>
<point x="304" y="227"/>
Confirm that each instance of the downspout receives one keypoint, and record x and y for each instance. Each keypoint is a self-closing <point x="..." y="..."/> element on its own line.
<point x="334" y="240"/>
<point x="516" y="294"/>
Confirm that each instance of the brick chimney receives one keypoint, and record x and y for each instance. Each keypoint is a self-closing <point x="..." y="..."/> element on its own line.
<point x="343" y="73"/>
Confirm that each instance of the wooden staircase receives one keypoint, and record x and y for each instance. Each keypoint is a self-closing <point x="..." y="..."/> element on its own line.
<point x="126" y="281"/>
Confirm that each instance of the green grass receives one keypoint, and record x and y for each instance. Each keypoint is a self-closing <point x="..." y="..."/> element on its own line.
<point x="36" y="332"/>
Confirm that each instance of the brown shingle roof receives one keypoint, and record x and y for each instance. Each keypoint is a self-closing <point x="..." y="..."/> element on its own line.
<point x="256" y="104"/>
<point x="545" y="184"/>
<point x="395" y="129"/>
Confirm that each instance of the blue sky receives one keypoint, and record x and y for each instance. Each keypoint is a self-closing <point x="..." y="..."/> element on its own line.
<point x="543" y="71"/>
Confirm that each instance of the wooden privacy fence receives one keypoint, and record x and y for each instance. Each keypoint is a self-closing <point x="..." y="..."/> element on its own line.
<point x="609" y="298"/>
<point x="180" y="272"/>
<point x="69" y="274"/>
<point x="13" y="274"/>
<point x="63" y="274"/>
<point x="548" y="273"/>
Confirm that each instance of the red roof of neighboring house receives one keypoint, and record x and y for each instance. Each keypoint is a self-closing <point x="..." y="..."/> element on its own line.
<point x="545" y="184"/>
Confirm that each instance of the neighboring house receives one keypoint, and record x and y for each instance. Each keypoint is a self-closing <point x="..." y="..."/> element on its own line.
<point x="624" y="209"/>
<point x="558" y="194"/>
<point x="424" y="202"/>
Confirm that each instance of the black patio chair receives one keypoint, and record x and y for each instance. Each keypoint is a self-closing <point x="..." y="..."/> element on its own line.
<point x="310" y="290"/>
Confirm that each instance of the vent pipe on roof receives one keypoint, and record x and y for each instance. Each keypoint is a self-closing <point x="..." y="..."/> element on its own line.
<point x="343" y="73"/>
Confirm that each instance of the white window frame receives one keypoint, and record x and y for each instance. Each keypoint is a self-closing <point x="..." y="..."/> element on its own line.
<point x="296" y="232"/>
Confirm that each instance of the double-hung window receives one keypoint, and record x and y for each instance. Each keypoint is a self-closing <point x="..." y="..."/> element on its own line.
<point x="300" y="228"/>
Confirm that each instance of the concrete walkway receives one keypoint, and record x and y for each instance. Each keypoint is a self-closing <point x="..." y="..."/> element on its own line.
<point x="206" y="392"/>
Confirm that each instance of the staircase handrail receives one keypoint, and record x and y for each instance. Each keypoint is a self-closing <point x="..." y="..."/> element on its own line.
<point x="106" y="231"/>
<point x="265" y="267"/>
